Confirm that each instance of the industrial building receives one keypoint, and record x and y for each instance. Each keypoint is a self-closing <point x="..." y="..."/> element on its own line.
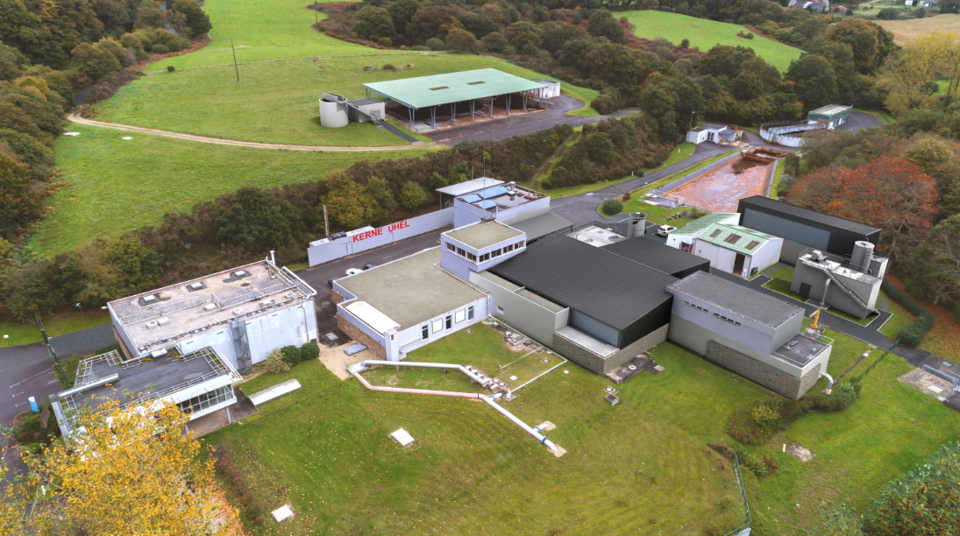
<point x="336" y="111"/>
<point x="683" y="237"/>
<point x="737" y="250"/>
<point x="660" y="257"/>
<point x="199" y="382"/>
<point x="242" y="314"/>
<point x="750" y="333"/>
<point x="713" y="132"/>
<point x="848" y="284"/>
<point x="833" y="115"/>
<point x="465" y="88"/>
<point x="803" y="228"/>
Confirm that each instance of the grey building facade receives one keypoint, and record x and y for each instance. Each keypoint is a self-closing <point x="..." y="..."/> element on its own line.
<point x="850" y="285"/>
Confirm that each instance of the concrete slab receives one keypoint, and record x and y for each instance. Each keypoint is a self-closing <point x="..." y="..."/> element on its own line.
<point x="276" y="391"/>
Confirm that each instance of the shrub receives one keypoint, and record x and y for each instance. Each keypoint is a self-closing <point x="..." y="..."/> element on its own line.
<point x="888" y="14"/>
<point x="435" y="44"/>
<point x="385" y="42"/>
<point x="685" y="43"/>
<point x="290" y="354"/>
<point x="626" y="197"/>
<point x="171" y="68"/>
<point x="600" y="147"/>
<point x="611" y="206"/>
<point x="911" y="335"/>
<point x="389" y="67"/>
<point x="275" y="363"/>
<point x="412" y="196"/>
<point x="309" y="351"/>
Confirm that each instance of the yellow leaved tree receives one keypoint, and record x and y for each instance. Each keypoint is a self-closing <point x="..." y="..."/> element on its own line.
<point x="124" y="471"/>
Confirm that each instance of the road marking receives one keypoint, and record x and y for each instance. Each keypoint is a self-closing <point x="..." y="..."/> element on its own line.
<point x="30" y="378"/>
<point x="18" y="394"/>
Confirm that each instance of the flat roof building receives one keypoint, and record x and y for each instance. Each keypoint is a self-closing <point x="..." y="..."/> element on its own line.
<point x="200" y="382"/>
<point x="659" y="256"/>
<point x="802" y="228"/>
<point x="243" y="313"/>
<point x="748" y="332"/>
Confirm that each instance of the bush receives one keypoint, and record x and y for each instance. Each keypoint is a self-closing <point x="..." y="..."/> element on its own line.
<point x="626" y="197"/>
<point x="436" y="44"/>
<point x="412" y="196"/>
<point x="888" y="14"/>
<point x="389" y="67"/>
<point x="601" y="147"/>
<point x="171" y="68"/>
<point x="309" y="351"/>
<point x="913" y="334"/>
<point x="275" y="363"/>
<point x="290" y="354"/>
<point x="611" y="206"/>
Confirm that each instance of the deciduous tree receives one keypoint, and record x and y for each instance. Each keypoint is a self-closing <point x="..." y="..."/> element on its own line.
<point x="257" y="221"/>
<point x="19" y="203"/>
<point x="412" y="196"/>
<point x="936" y="268"/>
<point x="461" y="41"/>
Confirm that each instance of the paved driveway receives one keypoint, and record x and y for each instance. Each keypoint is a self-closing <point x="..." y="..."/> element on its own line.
<point x="519" y="124"/>
<point x="25" y="371"/>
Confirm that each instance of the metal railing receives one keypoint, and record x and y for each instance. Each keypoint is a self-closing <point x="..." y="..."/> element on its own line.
<point x="744" y="528"/>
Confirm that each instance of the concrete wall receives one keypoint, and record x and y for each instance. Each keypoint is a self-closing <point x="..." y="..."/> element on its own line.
<point x="790" y="251"/>
<point x="465" y="213"/>
<point x="835" y="297"/>
<point x="291" y="326"/>
<point x="595" y="328"/>
<point x="337" y="249"/>
<point x="531" y="319"/>
<point x="697" y="136"/>
<point x="777" y="381"/>
<point x="697" y="338"/>
<point x="600" y="365"/>
<point x="759" y="338"/>
<point x="720" y="258"/>
<point x="766" y="256"/>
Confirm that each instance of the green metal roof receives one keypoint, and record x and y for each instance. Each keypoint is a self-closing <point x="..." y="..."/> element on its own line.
<point x="426" y="91"/>
<point x="747" y="241"/>
<point x="830" y="111"/>
<point x="703" y="222"/>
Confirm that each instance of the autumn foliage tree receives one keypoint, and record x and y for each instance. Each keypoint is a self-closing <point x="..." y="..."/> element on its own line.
<point x="120" y="472"/>
<point x="888" y="192"/>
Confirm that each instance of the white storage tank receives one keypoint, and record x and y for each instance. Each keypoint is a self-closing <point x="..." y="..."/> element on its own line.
<point x="333" y="111"/>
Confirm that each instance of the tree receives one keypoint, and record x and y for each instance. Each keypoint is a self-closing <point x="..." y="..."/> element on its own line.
<point x="95" y="62"/>
<point x="198" y="23"/>
<point x="349" y="205"/>
<point x="603" y="24"/>
<point x="379" y="190"/>
<point x="426" y="22"/>
<point x="412" y="196"/>
<point x="723" y="60"/>
<point x="378" y="23"/>
<point x="521" y="34"/>
<point x="402" y="11"/>
<point x="815" y="83"/>
<point x="32" y="290"/>
<point x="949" y="6"/>
<point x="870" y="43"/>
<point x="461" y="41"/>
<point x="19" y="203"/>
<point x="936" y="273"/>
<point x="122" y="472"/>
<point x="600" y="148"/>
<point x="495" y="42"/>
<point x="888" y="192"/>
<point x="257" y="221"/>
<point x="914" y="70"/>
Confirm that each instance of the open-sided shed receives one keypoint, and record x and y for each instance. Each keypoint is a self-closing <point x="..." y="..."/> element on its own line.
<point x="429" y="92"/>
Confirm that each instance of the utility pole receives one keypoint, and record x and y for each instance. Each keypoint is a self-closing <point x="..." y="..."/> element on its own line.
<point x="235" y="68"/>
<point x="43" y="331"/>
<point x="326" y="222"/>
<point x="53" y="354"/>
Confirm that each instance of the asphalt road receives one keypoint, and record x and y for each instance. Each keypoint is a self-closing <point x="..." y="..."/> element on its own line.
<point x="25" y="371"/>
<point x="519" y="124"/>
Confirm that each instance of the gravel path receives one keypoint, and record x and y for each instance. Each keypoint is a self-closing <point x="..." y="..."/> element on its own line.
<point x="218" y="141"/>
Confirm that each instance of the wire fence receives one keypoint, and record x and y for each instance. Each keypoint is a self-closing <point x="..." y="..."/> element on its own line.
<point x="289" y="60"/>
<point x="743" y="529"/>
<point x="877" y="362"/>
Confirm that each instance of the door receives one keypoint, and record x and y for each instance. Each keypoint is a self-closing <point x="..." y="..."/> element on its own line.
<point x="805" y="290"/>
<point x="738" y="265"/>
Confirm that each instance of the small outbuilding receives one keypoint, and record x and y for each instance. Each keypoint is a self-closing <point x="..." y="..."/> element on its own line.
<point x="738" y="250"/>
<point x="713" y="132"/>
<point x="833" y="115"/>
<point x="683" y="237"/>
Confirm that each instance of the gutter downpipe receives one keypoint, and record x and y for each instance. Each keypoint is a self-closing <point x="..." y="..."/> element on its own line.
<point x="829" y="378"/>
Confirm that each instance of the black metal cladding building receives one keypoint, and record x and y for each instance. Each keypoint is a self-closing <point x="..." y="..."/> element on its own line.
<point x="610" y="297"/>
<point x="803" y="227"/>
<point x="659" y="256"/>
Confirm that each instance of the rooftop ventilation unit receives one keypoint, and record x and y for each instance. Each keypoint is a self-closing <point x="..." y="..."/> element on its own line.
<point x="163" y="321"/>
<point x="240" y="274"/>
<point x="152" y="324"/>
<point x="149" y="300"/>
<point x="488" y="219"/>
<point x="209" y="307"/>
<point x="238" y="311"/>
<point x="193" y="287"/>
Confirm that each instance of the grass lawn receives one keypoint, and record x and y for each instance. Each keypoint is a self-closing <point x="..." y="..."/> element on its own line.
<point x="777" y="175"/>
<point x="900" y="319"/>
<point x="639" y="467"/>
<point x="907" y="29"/>
<point x="277" y="102"/>
<point x="114" y="186"/>
<point x="58" y="324"/>
<point x="707" y="34"/>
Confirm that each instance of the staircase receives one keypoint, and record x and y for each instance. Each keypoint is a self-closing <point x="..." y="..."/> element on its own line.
<point x="836" y="281"/>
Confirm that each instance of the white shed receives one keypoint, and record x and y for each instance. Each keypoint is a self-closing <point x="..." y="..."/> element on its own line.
<point x="552" y="90"/>
<point x="737" y="250"/>
<point x="683" y="237"/>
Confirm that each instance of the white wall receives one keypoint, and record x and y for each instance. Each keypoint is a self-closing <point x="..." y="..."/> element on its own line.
<point x="767" y="255"/>
<point x="720" y="258"/>
<point x="412" y="338"/>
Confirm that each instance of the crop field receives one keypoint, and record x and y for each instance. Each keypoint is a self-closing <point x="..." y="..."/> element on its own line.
<point x="706" y="34"/>
<point x="638" y="467"/>
<point x="114" y="186"/>
<point x="277" y="102"/>
<point x="907" y="29"/>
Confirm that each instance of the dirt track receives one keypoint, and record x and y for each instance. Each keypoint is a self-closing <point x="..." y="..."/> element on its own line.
<point x="218" y="141"/>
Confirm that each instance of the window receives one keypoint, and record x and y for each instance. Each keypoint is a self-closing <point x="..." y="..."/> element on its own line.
<point x="499" y="310"/>
<point x="686" y="247"/>
<point x="451" y="247"/>
<point x="461" y="316"/>
<point x="206" y="400"/>
<point x="460" y="252"/>
<point x="424" y="332"/>
<point x="449" y="321"/>
<point x="753" y="244"/>
<point x="437" y="325"/>
<point x="520" y="244"/>
<point x="716" y="233"/>
<point x="485" y="257"/>
<point x="495" y="253"/>
<point x="508" y="248"/>
<point x="732" y="239"/>
<point x="470" y="313"/>
<point x="725" y="319"/>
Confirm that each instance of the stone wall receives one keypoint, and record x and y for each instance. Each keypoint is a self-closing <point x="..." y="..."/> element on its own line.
<point x="762" y="373"/>
<point x="604" y="365"/>
<point x="354" y="333"/>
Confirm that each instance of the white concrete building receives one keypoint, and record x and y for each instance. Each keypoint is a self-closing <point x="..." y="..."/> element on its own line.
<point x="712" y="132"/>
<point x="737" y="250"/>
<point x="243" y="314"/>
<point x="683" y="237"/>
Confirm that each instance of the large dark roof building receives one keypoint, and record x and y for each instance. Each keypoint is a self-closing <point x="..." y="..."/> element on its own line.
<point x="659" y="256"/>
<point x="610" y="297"/>
<point x="802" y="228"/>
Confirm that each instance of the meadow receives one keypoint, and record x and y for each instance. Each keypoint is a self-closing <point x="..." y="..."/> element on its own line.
<point x="641" y="466"/>
<point x="907" y="29"/>
<point x="112" y="186"/>
<point x="707" y="34"/>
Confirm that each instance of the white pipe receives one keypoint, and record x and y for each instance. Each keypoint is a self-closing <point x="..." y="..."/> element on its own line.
<point x="472" y="375"/>
<point x="535" y="433"/>
<point x="414" y="391"/>
<point x="829" y="388"/>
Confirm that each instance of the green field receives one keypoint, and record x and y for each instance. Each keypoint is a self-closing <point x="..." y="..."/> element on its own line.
<point x="277" y="102"/>
<point x="58" y="324"/>
<point x="639" y="467"/>
<point x="707" y="34"/>
<point x="114" y="186"/>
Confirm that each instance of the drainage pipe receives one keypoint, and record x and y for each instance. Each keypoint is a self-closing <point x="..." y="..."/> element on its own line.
<point x="532" y="431"/>
<point x="470" y="374"/>
<point x="829" y="378"/>
<point x="414" y="391"/>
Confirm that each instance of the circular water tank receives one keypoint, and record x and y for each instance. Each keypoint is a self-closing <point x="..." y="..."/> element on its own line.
<point x="333" y="114"/>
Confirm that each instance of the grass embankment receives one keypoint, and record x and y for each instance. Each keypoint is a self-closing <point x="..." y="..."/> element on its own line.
<point x="58" y="324"/>
<point x="638" y="466"/>
<point x="114" y="186"/>
<point x="907" y="29"/>
<point x="777" y="175"/>
<point x="706" y="34"/>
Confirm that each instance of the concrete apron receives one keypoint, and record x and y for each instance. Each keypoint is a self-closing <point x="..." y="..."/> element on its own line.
<point x="211" y="422"/>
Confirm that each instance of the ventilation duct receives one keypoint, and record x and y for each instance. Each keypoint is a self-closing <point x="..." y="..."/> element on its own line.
<point x="637" y="225"/>
<point x="862" y="255"/>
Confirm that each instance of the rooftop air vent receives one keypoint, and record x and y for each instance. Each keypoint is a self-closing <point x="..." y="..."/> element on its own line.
<point x="209" y="307"/>
<point x="152" y="324"/>
<point x="193" y="287"/>
<point x="240" y="274"/>
<point x="476" y="83"/>
<point x="238" y="311"/>
<point x="163" y="321"/>
<point x="439" y="88"/>
<point x="149" y="300"/>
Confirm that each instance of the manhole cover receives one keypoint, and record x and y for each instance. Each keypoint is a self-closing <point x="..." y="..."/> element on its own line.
<point x="632" y="367"/>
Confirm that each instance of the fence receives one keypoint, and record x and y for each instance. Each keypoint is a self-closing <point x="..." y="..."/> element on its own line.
<point x="327" y="250"/>
<point x="877" y="362"/>
<point x="742" y="530"/>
